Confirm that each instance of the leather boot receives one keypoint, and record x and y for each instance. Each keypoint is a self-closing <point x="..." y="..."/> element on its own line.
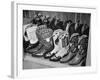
<point x="82" y="53"/>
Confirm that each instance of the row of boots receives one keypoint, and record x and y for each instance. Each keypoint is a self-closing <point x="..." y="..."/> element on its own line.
<point x="58" y="46"/>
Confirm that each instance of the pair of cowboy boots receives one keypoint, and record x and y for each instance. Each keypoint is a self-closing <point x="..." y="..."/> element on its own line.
<point x="79" y="57"/>
<point x="63" y="47"/>
<point x="55" y="40"/>
<point x="73" y="48"/>
<point x="44" y="37"/>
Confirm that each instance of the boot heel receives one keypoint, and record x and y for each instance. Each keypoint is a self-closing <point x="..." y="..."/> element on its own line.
<point x="83" y="62"/>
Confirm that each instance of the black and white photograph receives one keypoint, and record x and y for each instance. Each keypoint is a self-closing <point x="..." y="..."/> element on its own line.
<point x="54" y="39"/>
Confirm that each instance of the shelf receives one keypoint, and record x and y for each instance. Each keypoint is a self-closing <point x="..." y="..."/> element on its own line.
<point x="37" y="62"/>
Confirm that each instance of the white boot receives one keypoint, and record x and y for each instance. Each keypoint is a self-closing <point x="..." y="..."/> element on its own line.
<point x="63" y="48"/>
<point x="55" y="36"/>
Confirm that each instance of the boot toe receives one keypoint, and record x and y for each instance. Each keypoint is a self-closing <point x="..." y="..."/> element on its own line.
<point x="72" y="62"/>
<point x="39" y="54"/>
<point x="48" y="55"/>
<point x="64" y="60"/>
<point x="54" y="58"/>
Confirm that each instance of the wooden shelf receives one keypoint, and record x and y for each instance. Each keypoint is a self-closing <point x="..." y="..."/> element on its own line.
<point x="37" y="62"/>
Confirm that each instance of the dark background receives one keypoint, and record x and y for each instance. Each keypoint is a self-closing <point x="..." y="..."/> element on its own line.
<point x="83" y="17"/>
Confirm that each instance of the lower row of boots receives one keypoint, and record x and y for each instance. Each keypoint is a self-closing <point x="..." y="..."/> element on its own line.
<point x="74" y="54"/>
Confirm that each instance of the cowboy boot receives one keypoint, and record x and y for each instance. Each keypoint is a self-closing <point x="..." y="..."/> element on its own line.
<point x="77" y="59"/>
<point x="43" y="35"/>
<point x="68" y="56"/>
<point x="73" y="48"/>
<point x="82" y="53"/>
<point x="55" y="41"/>
<point x="63" y="46"/>
<point x="33" y="50"/>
